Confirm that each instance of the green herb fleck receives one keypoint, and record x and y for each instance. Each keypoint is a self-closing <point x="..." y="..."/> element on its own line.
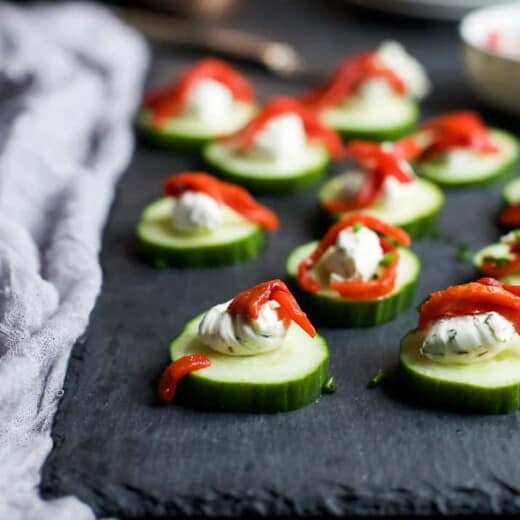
<point x="452" y="334"/>
<point x="497" y="260"/>
<point x="329" y="386"/>
<point x="516" y="234"/>
<point x="377" y="379"/>
<point x="387" y="259"/>
<point x="357" y="227"/>
<point x="464" y="253"/>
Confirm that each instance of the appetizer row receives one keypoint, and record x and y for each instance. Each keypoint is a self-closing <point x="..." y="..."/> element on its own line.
<point x="289" y="143"/>
<point x="360" y="273"/>
<point x="260" y="353"/>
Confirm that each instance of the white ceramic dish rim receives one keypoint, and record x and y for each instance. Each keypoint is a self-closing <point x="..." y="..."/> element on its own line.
<point x="489" y="17"/>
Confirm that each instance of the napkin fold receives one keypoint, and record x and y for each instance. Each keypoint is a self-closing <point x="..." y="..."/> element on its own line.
<point x="70" y="80"/>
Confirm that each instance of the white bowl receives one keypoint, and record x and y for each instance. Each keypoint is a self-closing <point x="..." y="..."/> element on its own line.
<point x="494" y="75"/>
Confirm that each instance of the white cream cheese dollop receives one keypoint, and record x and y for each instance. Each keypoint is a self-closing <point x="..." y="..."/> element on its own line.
<point x="236" y="335"/>
<point x="375" y="91"/>
<point x="209" y="101"/>
<point x="467" y="339"/>
<point x="282" y="139"/>
<point x="194" y="212"/>
<point x="461" y="159"/>
<point x="357" y="253"/>
<point x="412" y="73"/>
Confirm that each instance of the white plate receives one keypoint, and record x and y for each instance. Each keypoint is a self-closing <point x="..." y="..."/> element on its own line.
<point x="438" y="9"/>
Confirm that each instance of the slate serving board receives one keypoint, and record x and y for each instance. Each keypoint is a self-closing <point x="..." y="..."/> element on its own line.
<point x="357" y="452"/>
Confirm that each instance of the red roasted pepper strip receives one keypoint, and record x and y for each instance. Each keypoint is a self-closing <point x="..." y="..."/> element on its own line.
<point x="379" y="162"/>
<point x="462" y="129"/>
<point x="484" y="295"/>
<point x="223" y="192"/>
<point x="347" y="79"/>
<point x="170" y="100"/>
<point x="178" y="369"/>
<point x="314" y="128"/>
<point x="510" y="216"/>
<point x="383" y="284"/>
<point x="249" y="302"/>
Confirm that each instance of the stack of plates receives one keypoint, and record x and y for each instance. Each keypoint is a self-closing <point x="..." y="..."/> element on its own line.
<point x="439" y="9"/>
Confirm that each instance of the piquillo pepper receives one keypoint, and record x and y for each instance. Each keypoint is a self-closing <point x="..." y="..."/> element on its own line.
<point x="347" y="79"/>
<point x="178" y="369"/>
<point x="484" y="295"/>
<point x="354" y="288"/>
<point x="379" y="162"/>
<point x="462" y="129"/>
<point x="314" y="129"/>
<point x="169" y="101"/>
<point x="248" y="304"/>
<point x="223" y="192"/>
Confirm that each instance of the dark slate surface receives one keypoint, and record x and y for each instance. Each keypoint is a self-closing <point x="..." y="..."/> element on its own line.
<point x="356" y="452"/>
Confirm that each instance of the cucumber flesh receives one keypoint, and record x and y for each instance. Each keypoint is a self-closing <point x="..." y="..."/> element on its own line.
<point x="363" y="119"/>
<point x="480" y="170"/>
<point x="235" y="240"/>
<point x="185" y="129"/>
<point x="264" y="175"/>
<point x="416" y="210"/>
<point x="497" y="250"/>
<point x="492" y="386"/>
<point x="327" y="308"/>
<point x="284" y="379"/>
<point x="511" y="192"/>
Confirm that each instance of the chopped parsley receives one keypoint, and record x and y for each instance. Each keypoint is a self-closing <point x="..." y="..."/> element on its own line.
<point x="388" y="259"/>
<point x="452" y="334"/>
<point x="357" y="227"/>
<point x="499" y="261"/>
<point x="329" y="386"/>
<point x="377" y="379"/>
<point x="464" y="253"/>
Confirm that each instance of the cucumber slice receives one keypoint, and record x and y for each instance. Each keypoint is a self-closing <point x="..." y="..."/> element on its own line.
<point x="278" y="381"/>
<point x="511" y="192"/>
<point x="479" y="171"/>
<point x="364" y="119"/>
<point x="492" y="386"/>
<point x="328" y="309"/>
<point x="416" y="211"/>
<point x="236" y="240"/>
<point x="184" y="131"/>
<point x="263" y="175"/>
<point x="497" y="250"/>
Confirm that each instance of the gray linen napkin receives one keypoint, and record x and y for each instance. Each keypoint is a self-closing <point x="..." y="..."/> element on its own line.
<point x="70" y="80"/>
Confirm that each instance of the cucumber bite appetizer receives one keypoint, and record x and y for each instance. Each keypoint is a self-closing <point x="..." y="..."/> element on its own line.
<point x="372" y="94"/>
<point x="255" y="353"/>
<point x="465" y="353"/>
<point x="384" y="186"/>
<point x="209" y="100"/>
<point x="501" y="260"/>
<point x="460" y="150"/>
<point x="510" y="215"/>
<point x="360" y="274"/>
<point x="282" y="149"/>
<point x="202" y="221"/>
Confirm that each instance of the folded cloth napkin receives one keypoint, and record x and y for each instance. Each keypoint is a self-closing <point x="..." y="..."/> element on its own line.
<point x="70" y="79"/>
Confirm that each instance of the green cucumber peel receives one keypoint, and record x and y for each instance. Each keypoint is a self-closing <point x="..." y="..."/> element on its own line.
<point x="293" y="376"/>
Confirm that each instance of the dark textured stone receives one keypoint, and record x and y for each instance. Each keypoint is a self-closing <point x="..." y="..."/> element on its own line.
<point x="358" y="451"/>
